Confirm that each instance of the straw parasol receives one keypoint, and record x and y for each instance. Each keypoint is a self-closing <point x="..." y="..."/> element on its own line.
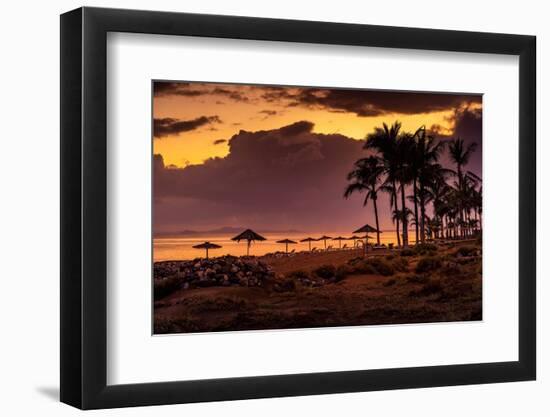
<point x="339" y="239"/>
<point x="309" y="240"/>
<point x="325" y="238"/>
<point x="286" y="242"/>
<point x="367" y="229"/>
<point x="207" y="245"/>
<point x="250" y="236"/>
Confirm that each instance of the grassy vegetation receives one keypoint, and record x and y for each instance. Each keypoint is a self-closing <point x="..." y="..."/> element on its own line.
<point x="325" y="271"/>
<point x="466" y="251"/>
<point x="166" y="286"/>
<point x="427" y="264"/>
<point x="427" y="286"/>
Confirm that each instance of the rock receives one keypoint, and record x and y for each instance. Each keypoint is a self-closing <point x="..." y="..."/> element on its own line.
<point x="206" y="283"/>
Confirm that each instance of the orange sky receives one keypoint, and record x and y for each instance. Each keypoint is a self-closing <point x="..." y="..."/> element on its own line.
<point x="195" y="146"/>
<point x="277" y="158"/>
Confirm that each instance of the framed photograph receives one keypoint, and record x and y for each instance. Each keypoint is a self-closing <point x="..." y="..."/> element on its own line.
<point x="256" y="208"/>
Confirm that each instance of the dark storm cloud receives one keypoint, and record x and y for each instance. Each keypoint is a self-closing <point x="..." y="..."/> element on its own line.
<point x="169" y="126"/>
<point x="162" y="88"/>
<point x="268" y="112"/>
<point x="467" y="125"/>
<point x="231" y="94"/>
<point x="196" y="90"/>
<point x="366" y="103"/>
<point x="286" y="177"/>
<point x="363" y="103"/>
<point x="219" y="141"/>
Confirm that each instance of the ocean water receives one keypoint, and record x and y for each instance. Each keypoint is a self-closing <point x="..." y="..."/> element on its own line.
<point x="181" y="248"/>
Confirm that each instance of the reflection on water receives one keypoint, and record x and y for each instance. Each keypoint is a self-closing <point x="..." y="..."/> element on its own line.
<point x="181" y="248"/>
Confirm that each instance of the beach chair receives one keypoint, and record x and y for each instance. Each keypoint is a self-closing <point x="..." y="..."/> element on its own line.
<point x="345" y="246"/>
<point x="329" y="247"/>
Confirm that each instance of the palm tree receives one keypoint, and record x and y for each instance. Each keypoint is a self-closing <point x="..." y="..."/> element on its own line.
<point x="438" y="190"/>
<point x="390" y="190"/>
<point x="399" y="215"/>
<point x="405" y="147"/>
<point x="365" y="177"/>
<point x="391" y="144"/>
<point x="460" y="155"/>
<point x="427" y="151"/>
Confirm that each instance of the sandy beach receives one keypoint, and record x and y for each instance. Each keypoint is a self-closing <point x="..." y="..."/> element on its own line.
<point x="334" y="288"/>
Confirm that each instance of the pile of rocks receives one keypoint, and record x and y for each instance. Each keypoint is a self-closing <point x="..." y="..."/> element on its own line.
<point x="223" y="271"/>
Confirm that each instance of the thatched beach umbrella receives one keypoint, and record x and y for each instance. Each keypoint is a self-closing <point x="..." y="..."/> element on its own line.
<point x="309" y="240"/>
<point x="339" y="239"/>
<point x="286" y="242"/>
<point x="324" y="238"/>
<point x="367" y="229"/>
<point x="207" y="245"/>
<point x="250" y="236"/>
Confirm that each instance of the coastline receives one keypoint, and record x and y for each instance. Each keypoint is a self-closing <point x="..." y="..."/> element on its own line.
<point x="329" y="288"/>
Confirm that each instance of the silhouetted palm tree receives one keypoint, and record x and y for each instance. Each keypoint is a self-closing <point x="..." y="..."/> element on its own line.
<point x="390" y="144"/>
<point x="365" y="178"/>
<point x="460" y="155"/>
<point x="405" y="162"/>
<point x="438" y="189"/>
<point x="427" y="152"/>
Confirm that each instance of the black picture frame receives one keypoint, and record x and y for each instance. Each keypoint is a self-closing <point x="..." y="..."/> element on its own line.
<point x="84" y="207"/>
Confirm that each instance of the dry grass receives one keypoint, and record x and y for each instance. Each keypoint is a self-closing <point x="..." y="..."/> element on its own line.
<point x="384" y="289"/>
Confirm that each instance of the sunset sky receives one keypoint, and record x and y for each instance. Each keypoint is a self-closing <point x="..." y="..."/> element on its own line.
<point x="276" y="158"/>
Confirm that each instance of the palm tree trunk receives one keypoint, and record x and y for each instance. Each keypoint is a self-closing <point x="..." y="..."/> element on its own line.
<point x="422" y="215"/>
<point x="397" y="219"/>
<point x="376" y="219"/>
<point x="415" y="211"/>
<point x="404" y="218"/>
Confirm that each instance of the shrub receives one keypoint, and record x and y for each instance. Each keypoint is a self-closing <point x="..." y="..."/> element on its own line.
<point x="298" y="274"/>
<point x="425" y="248"/>
<point x="466" y="251"/>
<point x="285" y="285"/>
<point x="325" y="271"/>
<point x="381" y="266"/>
<point x="428" y="264"/>
<point x="407" y="252"/>
<point x="416" y="279"/>
<point x="430" y="288"/>
<point x="400" y="264"/>
<point x="450" y="269"/>
<point x="390" y="257"/>
<point x="165" y="286"/>
<point x="342" y="271"/>
<point x="363" y="268"/>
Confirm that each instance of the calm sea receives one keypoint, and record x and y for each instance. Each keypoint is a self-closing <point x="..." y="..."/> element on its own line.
<point x="181" y="248"/>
